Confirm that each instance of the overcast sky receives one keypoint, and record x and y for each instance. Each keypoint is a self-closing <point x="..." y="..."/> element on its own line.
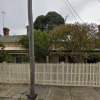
<point x="16" y="12"/>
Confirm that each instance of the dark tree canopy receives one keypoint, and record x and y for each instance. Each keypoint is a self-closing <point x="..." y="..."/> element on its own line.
<point x="39" y="23"/>
<point x="48" y="22"/>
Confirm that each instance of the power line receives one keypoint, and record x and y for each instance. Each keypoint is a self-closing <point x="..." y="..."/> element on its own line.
<point x="74" y="11"/>
<point x="70" y="10"/>
<point x="99" y="1"/>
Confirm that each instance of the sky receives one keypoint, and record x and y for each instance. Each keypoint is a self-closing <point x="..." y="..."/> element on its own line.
<point x="16" y="12"/>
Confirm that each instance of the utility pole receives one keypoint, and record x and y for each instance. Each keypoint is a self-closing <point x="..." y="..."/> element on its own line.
<point x="33" y="96"/>
<point x="66" y="17"/>
<point x="3" y="17"/>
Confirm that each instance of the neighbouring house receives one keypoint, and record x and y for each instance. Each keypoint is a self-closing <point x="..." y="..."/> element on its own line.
<point x="12" y="45"/>
<point x="63" y="56"/>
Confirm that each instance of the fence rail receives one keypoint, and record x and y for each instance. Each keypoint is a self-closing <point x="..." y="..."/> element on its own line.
<point x="52" y="74"/>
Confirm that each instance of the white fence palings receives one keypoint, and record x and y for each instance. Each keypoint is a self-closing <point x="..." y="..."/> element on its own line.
<point x="14" y="73"/>
<point x="69" y="74"/>
<point x="52" y="74"/>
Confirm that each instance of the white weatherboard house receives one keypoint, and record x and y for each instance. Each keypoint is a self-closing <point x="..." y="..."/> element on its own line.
<point x="12" y="45"/>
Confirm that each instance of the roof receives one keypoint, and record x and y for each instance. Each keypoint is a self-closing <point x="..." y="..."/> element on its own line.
<point x="10" y="39"/>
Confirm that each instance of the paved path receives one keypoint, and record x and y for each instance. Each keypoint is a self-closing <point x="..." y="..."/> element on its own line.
<point x="16" y="92"/>
<point x="59" y="93"/>
<point x="73" y="93"/>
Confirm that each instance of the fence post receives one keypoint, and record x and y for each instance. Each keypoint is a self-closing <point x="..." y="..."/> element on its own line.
<point x="8" y="70"/>
<point x="44" y="74"/>
<point x="79" y="66"/>
<point x="29" y="73"/>
<point x="57" y="74"/>
<point x="62" y="73"/>
<point x="51" y="74"/>
<point x="99" y="72"/>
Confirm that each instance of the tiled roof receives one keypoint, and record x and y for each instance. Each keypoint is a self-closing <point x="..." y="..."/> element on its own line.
<point x="10" y="39"/>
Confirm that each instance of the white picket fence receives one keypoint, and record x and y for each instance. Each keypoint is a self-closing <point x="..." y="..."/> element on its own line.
<point x="14" y="73"/>
<point x="52" y="74"/>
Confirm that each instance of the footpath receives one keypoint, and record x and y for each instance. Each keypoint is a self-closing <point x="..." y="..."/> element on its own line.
<point x="21" y="92"/>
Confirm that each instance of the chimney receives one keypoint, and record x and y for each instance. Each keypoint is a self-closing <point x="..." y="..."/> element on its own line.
<point x="27" y="27"/>
<point x="6" y="31"/>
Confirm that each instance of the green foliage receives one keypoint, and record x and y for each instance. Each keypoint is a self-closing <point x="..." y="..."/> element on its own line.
<point x="76" y="38"/>
<point x="40" y="99"/>
<point x="25" y="58"/>
<point x="48" y="22"/>
<point x="4" y="56"/>
<point x="41" y="45"/>
<point x="39" y="23"/>
<point x="97" y="41"/>
<point x="20" y="98"/>
<point x="25" y="41"/>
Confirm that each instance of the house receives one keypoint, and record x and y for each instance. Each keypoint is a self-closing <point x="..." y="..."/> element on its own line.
<point x="57" y="56"/>
<point x="12" y="45"/>
<point x="63" y="56"/>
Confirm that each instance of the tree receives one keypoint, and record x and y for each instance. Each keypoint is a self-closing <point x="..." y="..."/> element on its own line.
<point x="97" y="40"/>
<point x="97" y="44"/>
<point x="48" y="22"/>
<point x="41" y="45"/>
<point x="77" y="39"/>
<point x="39" y="23"/>
<point x="4" y="56"/>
